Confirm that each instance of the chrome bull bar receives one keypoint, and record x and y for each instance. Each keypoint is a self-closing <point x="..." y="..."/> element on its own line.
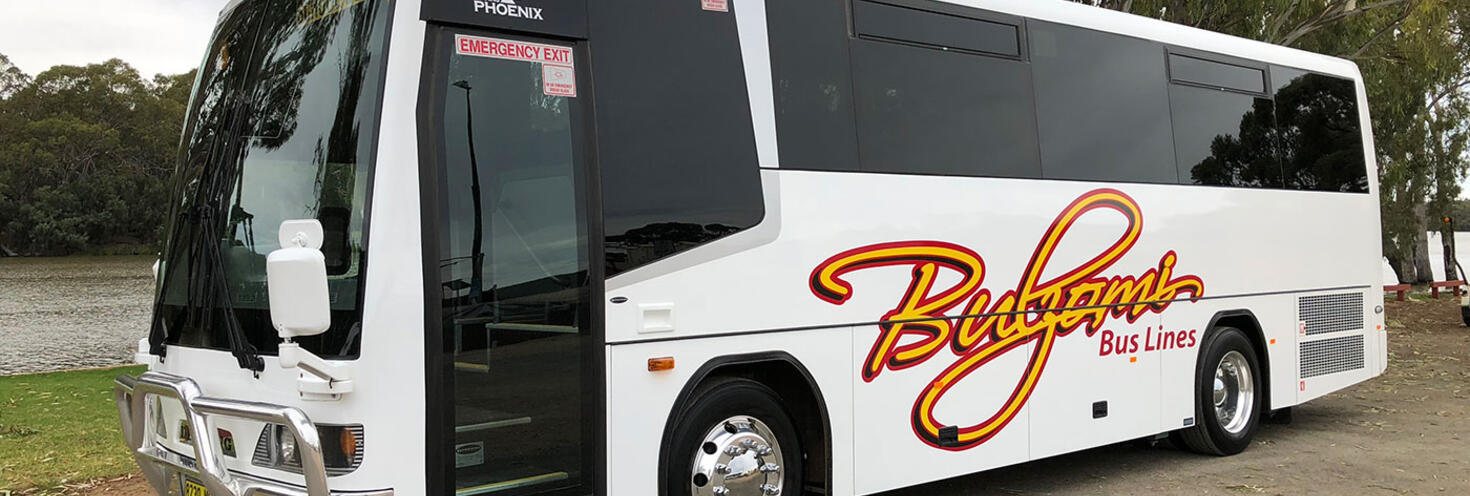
<point x="159" y="464"/>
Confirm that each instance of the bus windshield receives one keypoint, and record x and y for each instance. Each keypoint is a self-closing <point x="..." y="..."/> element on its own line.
<point x="281" y="126"/>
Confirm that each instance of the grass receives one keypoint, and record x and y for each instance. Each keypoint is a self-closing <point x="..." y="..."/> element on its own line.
<point x="60" y="429"/>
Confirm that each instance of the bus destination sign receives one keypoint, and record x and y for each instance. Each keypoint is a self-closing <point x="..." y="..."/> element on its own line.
<point x="554" y="17"/>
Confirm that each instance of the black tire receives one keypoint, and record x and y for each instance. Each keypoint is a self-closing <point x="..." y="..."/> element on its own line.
<point x="1208" y="436"/>
<point x="708" y="408"/>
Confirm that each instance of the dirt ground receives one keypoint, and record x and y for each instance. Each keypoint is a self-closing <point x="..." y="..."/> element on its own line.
<point x="1402" y="433"/>
<point x="128" y="485"/>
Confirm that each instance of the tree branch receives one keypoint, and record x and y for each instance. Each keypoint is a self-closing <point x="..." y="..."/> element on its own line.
<point x="1328" y="17"/>
<point x="1275" y="29"/>
<point x="1391" y="27"/>
<point x="1448" y="91"/>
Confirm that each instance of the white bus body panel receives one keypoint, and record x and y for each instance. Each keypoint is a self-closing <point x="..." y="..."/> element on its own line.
<point x="1254" y="250"/>
<point x="1257" y="250"/>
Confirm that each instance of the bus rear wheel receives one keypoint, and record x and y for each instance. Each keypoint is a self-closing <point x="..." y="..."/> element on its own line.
<point x="1228" y="395"/>
<point x="735" y="439"/>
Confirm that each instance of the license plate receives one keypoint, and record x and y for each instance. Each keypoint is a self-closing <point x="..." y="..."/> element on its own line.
<point x="192" y="488"/>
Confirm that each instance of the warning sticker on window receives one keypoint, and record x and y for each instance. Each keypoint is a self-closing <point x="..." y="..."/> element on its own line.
<point x="514" y="50"/>
<point x="558" y="80"/>
<point x="717" y="5"/>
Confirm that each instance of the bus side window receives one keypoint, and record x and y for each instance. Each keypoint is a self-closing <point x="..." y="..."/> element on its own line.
<point x="1224" y="124"/>
<point x="940" y="93"/>
<point x="675" y="141"/>
<point x="1320" y="134"/>
<point x="813" y="84"/>
<point x="926" y="111"/>
<point x="1102" y="106"/>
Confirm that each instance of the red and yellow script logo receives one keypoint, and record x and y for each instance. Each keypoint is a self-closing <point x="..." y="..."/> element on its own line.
<point x="989" y="325"/>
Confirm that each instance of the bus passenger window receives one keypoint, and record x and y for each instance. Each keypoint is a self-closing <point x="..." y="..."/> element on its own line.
<point x="1102" y="106"/>
<point x="1320" y="135"/>
<point x="813" y="85"/>
<point x="675" y="141"/>
<point x="1208" y="73"/>
<point x="927" y="111"/>
<point x="891" y="22"/>
<point x="1224" y="138"/>
<point x="1224" y="124"/>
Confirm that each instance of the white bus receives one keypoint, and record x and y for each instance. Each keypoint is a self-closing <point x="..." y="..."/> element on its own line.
<point x="734" y="247"/>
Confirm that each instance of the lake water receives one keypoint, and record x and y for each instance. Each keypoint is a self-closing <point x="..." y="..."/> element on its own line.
<point x="65" y="313"/>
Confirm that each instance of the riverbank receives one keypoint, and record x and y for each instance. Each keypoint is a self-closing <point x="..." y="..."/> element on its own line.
<point x="72" y="312"/>
<point x="59" y="431"/>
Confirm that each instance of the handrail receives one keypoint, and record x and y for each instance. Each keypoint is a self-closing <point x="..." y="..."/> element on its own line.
<point x="132" y="399"/>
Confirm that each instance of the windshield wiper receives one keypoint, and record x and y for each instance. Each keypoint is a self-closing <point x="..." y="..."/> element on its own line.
<point x="208" y="289"/>
<point x="207" y="281"/>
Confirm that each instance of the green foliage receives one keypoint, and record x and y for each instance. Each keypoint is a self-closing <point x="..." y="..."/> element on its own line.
<point x="85" y="156"/>
<point x="60" y="428"/>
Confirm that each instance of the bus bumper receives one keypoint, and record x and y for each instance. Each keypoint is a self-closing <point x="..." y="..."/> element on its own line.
<point x="166" y="470"/>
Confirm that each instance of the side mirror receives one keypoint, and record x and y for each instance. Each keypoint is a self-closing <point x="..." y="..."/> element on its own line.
<point x="296" y="279"/>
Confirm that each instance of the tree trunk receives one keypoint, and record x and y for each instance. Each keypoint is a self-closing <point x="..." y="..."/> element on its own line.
<point x="1398" y="267"/>
<point x="1422" y="271"/>
<point x="1451" y="265"/>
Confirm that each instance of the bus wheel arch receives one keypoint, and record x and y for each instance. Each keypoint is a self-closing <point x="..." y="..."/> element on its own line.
<point x="1246" y="321"/>
<point x="798" y="392"/>
<point x="1236" y="337"/>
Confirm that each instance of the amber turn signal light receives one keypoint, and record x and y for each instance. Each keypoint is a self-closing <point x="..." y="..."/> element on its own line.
<point x="347" y="440"/>
<point x="660" y="364"/>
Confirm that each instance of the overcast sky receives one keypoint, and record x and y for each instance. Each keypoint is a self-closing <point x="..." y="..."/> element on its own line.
<point x="155" y="36"/>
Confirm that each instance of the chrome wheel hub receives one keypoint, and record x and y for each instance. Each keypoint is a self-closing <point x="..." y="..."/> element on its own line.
<point x="1234" y="392"/>
<point x="738" y="457"/>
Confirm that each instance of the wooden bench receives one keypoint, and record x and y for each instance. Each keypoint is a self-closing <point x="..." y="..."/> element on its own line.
<point x="1454" y="285"/>
<point x="1401" y="289"/>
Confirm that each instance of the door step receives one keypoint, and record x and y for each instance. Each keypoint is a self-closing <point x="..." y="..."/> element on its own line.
<point x="511" y="484"/>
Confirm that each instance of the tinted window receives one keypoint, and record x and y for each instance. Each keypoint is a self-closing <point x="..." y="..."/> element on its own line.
<point x="814" y="120"/>
<point x="1216" y="75"/>
<point x="931" y="28"/>
<point x="675" y="141"/>
<point x="282" y="126"/>
<point x="1224" y="138"/>
<point x="1321" y="139"/>
<point x="513" y="275"/>
<point x="922" y="110"/>
<point x="1103" y="106"/>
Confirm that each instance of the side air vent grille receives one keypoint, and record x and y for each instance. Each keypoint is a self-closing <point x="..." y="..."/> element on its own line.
<point x="1331" y="313"/>
<point x="1330" y="356"/>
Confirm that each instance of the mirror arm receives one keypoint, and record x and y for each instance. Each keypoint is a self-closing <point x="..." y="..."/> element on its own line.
<point x="327" y="381"/>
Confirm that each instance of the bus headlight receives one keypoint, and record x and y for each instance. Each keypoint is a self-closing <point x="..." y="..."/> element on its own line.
<point x="342" y="447"/>
<point x="287" y="449"/>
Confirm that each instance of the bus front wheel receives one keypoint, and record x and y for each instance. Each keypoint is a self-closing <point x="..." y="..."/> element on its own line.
<point x="735" y="439"/>
<point x="1228" y="395"/>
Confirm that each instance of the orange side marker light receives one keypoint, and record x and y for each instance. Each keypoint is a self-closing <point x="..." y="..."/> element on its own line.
<point x="660" y="364"/>
<point x="1133" y="359"/>
<point x="347" y="440"/>
<point x="1273" y="340"/>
